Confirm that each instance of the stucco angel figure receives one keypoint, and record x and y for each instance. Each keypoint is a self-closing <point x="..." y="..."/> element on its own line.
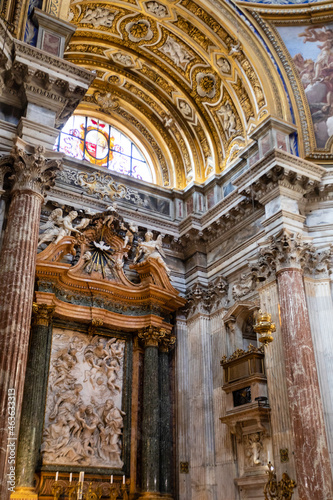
<point x="152" y="250"/>
<point x="58" y="226"/>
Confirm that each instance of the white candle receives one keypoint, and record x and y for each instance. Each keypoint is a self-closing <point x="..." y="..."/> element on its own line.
<point x="81" y="477"/>
<point x="123" y="479"/>
<point x="70" y="477"/>
<point x="111" y="479"/>
<point x="57" y="475"/>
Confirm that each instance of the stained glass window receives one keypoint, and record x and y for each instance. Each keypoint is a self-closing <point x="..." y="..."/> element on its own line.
<point x="102" y="144"/>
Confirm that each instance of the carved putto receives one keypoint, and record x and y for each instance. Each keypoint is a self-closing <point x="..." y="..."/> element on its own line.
<point x="228" y="119"/>
<point x="158" y="9"/>
<point x="99" y="17"/>
<point x="176" y="52"/>
<point x="83" y="421"/>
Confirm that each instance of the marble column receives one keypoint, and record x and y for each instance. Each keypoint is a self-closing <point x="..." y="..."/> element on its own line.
<point x="32" y="174"/>
<point x="165" y="417"/>
<point x="34" y="398"/>
<point x="151" y="337"/>
<point x="314" y="480"/>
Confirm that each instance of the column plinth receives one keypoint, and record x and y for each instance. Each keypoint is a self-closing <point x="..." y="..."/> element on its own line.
<point x="32" y="174"/>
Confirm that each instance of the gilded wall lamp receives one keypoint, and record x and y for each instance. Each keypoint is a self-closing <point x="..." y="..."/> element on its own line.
<point x="264" y="327"/>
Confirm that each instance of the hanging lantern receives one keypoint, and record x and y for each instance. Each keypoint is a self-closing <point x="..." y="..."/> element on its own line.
<point x="264" y="327"/>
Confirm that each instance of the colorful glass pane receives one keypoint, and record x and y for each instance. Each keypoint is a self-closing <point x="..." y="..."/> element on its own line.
<point x="103" y="145"/>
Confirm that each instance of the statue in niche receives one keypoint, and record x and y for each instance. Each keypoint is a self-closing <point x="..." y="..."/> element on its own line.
<point x="152" y="250"/>
<point x="83" y="424"/>
<point x="253" y="449"/>
<point x="58" y="226"/>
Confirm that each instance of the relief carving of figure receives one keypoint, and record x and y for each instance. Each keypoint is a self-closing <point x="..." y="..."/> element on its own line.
<point x="111" y="429"/>
<point x="228" y="119"/>
<point x="151" y="250"/>
<point x="80" y="427"/>
<point x="99" y="17"/>
<point x="157" y="9"/>
<point x="177" y="52"/>
<point x="253" y="449"/>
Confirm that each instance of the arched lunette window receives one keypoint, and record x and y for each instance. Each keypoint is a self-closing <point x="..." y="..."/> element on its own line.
<point x="102" y="144"/>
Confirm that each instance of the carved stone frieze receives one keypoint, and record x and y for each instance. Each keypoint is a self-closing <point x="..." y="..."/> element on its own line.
<point x="100" y="185"/>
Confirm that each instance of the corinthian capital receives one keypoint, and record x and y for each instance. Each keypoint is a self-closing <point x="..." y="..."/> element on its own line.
<point x="167" y="342"/>
<point x="42" y="314"/>
<point x="282" y="250"/>
<point x="151" y="336"/>
<point x="32" y="170"/>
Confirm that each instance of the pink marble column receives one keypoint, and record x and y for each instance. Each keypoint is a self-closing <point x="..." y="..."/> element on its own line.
<point x="32" y="174"/>
<point x="314" y="480"/>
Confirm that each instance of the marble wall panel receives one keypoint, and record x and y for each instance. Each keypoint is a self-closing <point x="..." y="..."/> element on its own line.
<point x="320" y="305"/>
<point x="83" y="418"/>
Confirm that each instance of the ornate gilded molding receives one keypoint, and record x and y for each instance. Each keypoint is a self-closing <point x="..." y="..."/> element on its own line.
<point x="151" y="336"/>
<point x="42" y="314"/>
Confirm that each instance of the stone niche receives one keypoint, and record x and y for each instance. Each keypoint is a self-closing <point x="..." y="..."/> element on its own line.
<point x="84" y="419"/>
<point x="248" y="418"/>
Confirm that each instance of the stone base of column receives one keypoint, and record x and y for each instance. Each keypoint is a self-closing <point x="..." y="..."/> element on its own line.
<point x="24" y="493"/>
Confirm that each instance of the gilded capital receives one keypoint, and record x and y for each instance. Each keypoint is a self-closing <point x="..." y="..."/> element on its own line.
<point x="32" y="171"/>
<point x="167" y="342"/>
<point x="151" y="336"/>
<point x="42" y="314"/>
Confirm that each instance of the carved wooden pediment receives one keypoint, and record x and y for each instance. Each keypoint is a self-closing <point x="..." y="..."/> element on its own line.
<point x="107" y="265"/>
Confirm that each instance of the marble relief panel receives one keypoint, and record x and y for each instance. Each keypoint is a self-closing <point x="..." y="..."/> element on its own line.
<point x="83" y="418"/>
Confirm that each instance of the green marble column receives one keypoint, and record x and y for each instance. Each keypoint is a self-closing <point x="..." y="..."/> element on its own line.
<point x="165" y="417"/>
<point x="34" y="397"/>
<point x="151" y="413"/>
